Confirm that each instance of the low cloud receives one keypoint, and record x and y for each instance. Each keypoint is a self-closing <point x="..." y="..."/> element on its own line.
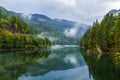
<point x="26" y="16"/>
<point x="51" y="38"/>
<point x="72" y="31"/>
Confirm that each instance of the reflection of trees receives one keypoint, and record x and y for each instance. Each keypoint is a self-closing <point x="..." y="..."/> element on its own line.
<point x="102" y="68"/>
<point x="15" y="63"/>
<point x="116" y="59"/>
<point x="56" y="62"/>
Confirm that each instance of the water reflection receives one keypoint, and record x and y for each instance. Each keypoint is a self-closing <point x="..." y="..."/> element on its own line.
<point x="62" y="64"/>
<point x="15" y="63"/>
<point x="102" y="68"/>
<point x="80" y="73"/>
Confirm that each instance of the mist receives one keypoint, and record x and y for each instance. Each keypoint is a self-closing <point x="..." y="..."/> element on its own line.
<point x="26" y="16"/>
<point x="51" y="38"/>
<point x="72" y="31"/>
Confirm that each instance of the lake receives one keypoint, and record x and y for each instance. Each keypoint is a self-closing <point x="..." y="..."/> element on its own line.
<point x="57" y="63"/>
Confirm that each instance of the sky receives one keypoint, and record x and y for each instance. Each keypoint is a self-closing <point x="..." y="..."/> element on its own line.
<point x="82" y="11"/>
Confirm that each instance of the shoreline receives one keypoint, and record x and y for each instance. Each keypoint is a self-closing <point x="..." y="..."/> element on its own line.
<point x="19" y="49"/>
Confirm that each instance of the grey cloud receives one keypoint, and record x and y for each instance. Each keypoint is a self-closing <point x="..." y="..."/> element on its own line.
<point x="85" y="11"/>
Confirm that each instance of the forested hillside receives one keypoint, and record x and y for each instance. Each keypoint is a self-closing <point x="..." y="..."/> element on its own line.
<point x="104" y="35"/>
<point x="15" y="33"/>
<point x="57" y="30"/>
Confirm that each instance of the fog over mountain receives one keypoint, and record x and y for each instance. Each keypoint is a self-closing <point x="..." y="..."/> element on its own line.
<point x="59" y="31"/>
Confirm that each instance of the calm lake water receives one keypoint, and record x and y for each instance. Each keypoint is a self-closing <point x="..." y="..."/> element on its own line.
<point x="58" y="63"/>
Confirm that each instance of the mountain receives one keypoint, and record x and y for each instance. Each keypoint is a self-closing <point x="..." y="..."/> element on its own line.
<point x="114" y="11"/>
<point x="59" y="31"/>
<point x="17" y="34"/>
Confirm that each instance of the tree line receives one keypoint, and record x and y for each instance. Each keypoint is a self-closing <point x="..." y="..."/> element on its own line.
<point x="15" y="33"/>
<point x="104" y="35"/>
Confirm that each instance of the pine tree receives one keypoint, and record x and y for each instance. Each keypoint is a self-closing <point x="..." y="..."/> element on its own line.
<point x="117" y="33"/>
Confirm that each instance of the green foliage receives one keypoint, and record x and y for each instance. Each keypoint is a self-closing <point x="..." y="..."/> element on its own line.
<point x="9" y="40"/>
<point x="15" y="33"/>
<point x="17" y="62"/>
<point x="100" y="66"/>
<point x="117" y="33"/>
<point x="104" y="35"/>
<point x="17" y="25"/>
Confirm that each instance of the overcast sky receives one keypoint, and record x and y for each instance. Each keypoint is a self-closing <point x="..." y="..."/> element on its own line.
<point x="83" y="11"/>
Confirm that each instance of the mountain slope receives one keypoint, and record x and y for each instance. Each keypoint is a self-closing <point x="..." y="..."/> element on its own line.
<point x="59" y="31"/>
<point x="15" y="33"/>
<point x="114" y="11"/>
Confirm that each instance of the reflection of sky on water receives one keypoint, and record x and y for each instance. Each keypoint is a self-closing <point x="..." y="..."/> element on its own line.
<point x="80" y="73"/>
<point x="64" y="63"/>
<point x="62" y="46"/>
<point x="72" y="60"/>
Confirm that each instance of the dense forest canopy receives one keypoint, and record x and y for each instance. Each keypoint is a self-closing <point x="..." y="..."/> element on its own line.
<point x="15" y="33"/>
<point x="104" y="35"/>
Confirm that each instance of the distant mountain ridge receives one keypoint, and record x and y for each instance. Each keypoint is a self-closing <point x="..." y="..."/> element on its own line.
<point x="66" y="31"/>
<point x="115" y="11"/>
